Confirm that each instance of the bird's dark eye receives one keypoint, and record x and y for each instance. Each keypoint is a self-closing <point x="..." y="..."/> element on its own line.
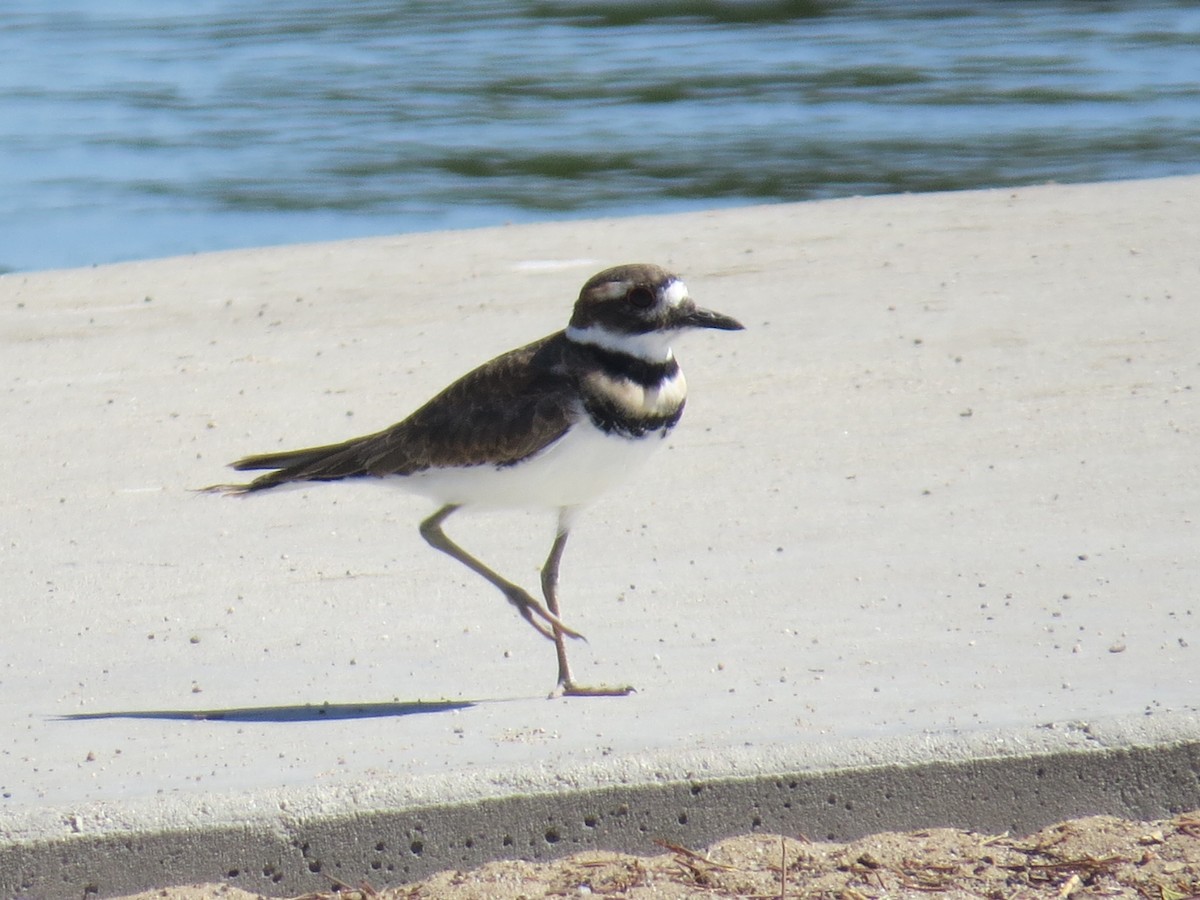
<point x="641" y="297"/>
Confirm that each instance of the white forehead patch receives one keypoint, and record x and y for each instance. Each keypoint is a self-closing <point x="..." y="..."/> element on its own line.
<point x="675" y="293"/>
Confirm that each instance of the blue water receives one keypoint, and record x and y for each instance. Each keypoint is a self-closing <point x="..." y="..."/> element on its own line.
<point x="141" y="129"/>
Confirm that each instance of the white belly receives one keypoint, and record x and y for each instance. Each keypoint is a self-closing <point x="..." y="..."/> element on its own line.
<point x="571" y="472"/>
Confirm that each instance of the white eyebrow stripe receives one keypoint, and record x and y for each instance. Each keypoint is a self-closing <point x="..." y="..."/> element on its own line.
<point x="612" y="290"/>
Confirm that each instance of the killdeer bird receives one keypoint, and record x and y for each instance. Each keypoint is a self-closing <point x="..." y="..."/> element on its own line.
<point x="549" y="425"/>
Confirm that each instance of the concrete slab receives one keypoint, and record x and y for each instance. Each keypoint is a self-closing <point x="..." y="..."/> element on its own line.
<point x="923" y="550"/>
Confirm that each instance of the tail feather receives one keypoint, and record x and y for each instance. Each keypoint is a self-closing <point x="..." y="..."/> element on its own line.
<point x="328" y="463"/>
<point x="286" y="459"/>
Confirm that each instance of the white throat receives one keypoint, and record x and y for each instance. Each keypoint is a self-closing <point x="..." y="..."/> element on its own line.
<point x="652" y="346"/>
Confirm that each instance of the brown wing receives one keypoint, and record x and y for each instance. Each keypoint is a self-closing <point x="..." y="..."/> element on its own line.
<point x="502" y="412"/>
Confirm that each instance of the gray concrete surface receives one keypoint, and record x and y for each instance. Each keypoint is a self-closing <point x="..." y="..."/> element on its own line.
<point x="922" y="551"/>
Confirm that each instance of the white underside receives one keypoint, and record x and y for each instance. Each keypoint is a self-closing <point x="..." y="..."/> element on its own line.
<point x="570" y="473"/>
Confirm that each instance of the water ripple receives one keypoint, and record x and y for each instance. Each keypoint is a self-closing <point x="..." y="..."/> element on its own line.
<point x="143" y="130"/>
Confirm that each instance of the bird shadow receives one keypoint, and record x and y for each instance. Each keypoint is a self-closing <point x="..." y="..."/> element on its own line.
<point x="308" y="712"/>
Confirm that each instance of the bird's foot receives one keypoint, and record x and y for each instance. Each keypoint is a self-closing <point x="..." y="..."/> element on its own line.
<point x="571" y="689"/>
<point x="528" y="608"/>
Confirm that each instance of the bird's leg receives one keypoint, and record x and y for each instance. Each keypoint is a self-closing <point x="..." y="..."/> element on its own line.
<point x="554" y="629"/>
<point x="566" y="683"/>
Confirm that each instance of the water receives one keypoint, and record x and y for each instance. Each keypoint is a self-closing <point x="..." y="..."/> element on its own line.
<point x="138" y="129"/>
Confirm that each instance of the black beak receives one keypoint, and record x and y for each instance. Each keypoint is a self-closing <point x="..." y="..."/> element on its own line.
<point x="706" y="318"/>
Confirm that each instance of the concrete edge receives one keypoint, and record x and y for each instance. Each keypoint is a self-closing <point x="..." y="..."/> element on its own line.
<point x="391" y="833"/>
